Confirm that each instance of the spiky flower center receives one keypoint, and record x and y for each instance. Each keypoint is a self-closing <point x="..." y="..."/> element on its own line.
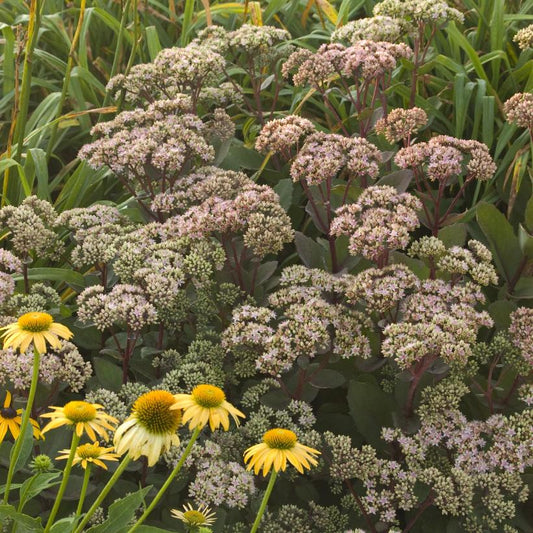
<point x="153" y="412"/>
<point x="35" y="322"/>
<point x="8" y="412"/>
<point x="77" y="411"/>
<point x="280" y="439"/>
<point x="194" y="518"/>
<point x="208" y="396"/>
<point x="89" y="451"/>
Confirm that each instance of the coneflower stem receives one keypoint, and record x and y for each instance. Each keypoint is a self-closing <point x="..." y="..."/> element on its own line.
<point x="64" y="482"/>
<point x="266" y="497"/>
<point x="83" y="492"/>
<point x="165" y="486"/>
<point x="24" y="424"/>
<point x="118" y="472"/>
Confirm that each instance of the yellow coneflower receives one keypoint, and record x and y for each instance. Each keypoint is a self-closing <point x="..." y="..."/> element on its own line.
<point x="90" y="453"/>
<point x="203" y="516"/>
<point x="278" y="446"/>
<point x="151" y="428"/>
<point x="206" y="403"/>
<point x="83" y="416"/>
<point x="11" y="419"/>
<point x="36" y="328"/>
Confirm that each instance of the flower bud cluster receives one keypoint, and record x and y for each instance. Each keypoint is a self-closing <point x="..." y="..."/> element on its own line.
<point x="524" y="37"/>
<point x="436" y="12"/>
<point x="175" y="71"/>
<point x="379" y="221"/>
<point x="519" y="110"/>
<point x="324" y="155"/>
<point x="365" y="60"/>
<point x="378" y="28"/>
<point x="61" y="365"/>
<point x="438" y="320"/>
<point x="281" y="135"/>
<point x="31" y="226"/>
<point x="300" y="323"/>
<point x="224" y="203"/>
<point x="125" y="305"/>
<point x="401" y="124"/>
<point x="443" y="158"/>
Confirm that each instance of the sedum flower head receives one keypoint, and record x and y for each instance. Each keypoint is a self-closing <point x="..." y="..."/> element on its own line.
<point x="151" y="428"/>
<point x="278" y="446"/>
<point x="36" y="328"/>
<point x="378" y="28"/>
<point x="524" y="37"/>
<point x="11" y="419"/>
<point x="206" y="403"/>
<point x="380" y="220"/>
<point x="419" y="11"/>
<point x="519" y="110"/>
<point x="87" y="454"/>
<point x="202" y="516"/>
<point x="83" y="417"/>
<point x="401" y="123"/>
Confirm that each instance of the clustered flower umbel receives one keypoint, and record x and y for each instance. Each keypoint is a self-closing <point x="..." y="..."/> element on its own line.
<point x="438" y="321"/>
<point x="324" y="155"/>
<point x="218" y="481"/>
<point x="31" y="229"/>
<point x="299" y="323"/>
<point x="521" y="331"/>
<point x="524" y="37"/>
<point x="378" y="28"/>
<point x="381" y="289"/>
<point x="279" y="136"/>
<point x="224" y="203"/>
<point x="149" y="151"/>
<point x="378" y="222"/>
<point x="401" y="124"/>
<point x="519" y="110"/>
<point x="164" y="271"/>
<point x="474" y="261"/>
<point x="465" y="463"/>
<point x="61" y="365"/>
<point x="262" y="44"/>
<point x="125" y="305"/>
<point x="13" y="265"/>
<point x="98" y="230"/>
<point x="174" y="72"/>
<point x="443" y="158"/>
<point x="365" y="59"/>
<point x="436" y="12"/>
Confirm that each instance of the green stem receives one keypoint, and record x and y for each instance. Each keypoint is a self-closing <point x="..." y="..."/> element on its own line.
<point x="165" y="486"/>
<point x="36" y="8"/>
<point x="64" y="482"/>
<point x="270" y="486"/>
<point x="83" y="492"/>
<point x="121" y="467"/>
<point x="24" y="424"/>
<point x="66" y="80"/>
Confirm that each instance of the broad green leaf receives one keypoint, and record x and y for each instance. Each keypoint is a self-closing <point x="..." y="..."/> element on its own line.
<point x="109" y="374"/>
<point x="310" y="252"/>
<point x="370" y="408"/>
<point x="121" y="512"/>
<point x="35" y="485"/>
<point x="327" y="379"/>
<point x="25" y="523"/>
<point x="502" y="240"/>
